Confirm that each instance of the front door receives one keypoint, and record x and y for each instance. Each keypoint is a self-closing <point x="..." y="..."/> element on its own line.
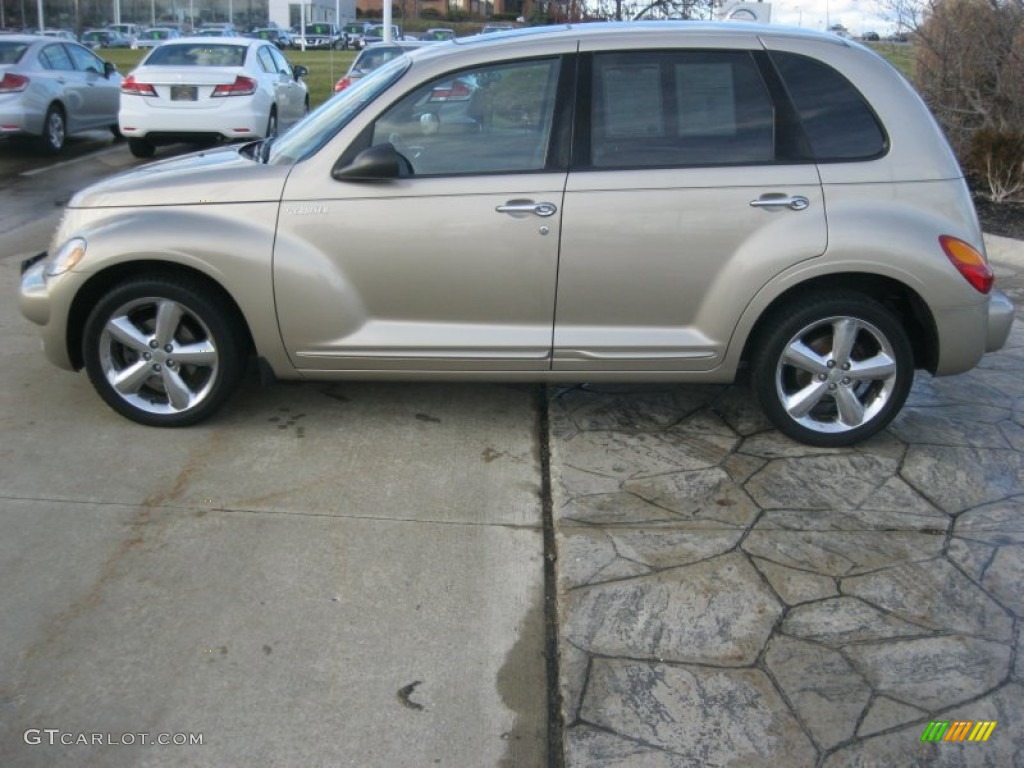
<point x="450" y="267"/>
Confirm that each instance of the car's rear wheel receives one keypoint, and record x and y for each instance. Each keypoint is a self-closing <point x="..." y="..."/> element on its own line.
<point x="834" y="370"/>
<point x="54" y="131"/>
<point x="141" y="148"/>
<point x="163" y="351"/>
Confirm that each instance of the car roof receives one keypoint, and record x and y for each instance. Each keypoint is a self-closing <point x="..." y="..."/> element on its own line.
<point x="242" y="42"/>
<point x="687" y="29"/>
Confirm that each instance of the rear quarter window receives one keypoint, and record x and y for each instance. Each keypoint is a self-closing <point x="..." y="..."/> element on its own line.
<point x="839" y="123"/>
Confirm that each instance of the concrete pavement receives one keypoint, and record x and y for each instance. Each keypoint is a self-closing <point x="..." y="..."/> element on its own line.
<point x="729" y="597"/>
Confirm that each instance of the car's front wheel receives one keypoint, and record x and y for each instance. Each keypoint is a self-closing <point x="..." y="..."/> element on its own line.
<point x="833" y="370"/>
<point x="163" y="351"/>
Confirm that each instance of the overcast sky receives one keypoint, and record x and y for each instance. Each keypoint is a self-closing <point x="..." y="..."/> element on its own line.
<point x="858" y="16"/>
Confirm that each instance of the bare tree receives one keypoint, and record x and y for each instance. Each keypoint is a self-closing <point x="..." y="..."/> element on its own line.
<point x="970" y="70"/>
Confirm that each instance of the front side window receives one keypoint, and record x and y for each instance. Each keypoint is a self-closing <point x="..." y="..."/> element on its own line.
<point x="838" y="121"/>
<point x="85" y="61"/>
<point x="679" y="108"/>
<point x="316" y="129"/>
<point x="494" y="119"/>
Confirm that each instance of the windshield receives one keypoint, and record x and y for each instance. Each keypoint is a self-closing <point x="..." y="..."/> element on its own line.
<point x="319" y="126"/>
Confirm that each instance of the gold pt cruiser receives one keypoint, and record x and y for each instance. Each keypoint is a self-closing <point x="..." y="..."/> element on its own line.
<point x="605" y="202"/>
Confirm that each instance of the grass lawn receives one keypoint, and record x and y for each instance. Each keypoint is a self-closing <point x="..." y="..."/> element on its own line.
<point x="325" y="67"/>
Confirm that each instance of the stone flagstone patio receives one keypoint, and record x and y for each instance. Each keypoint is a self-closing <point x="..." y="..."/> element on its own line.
<point x="730" y="597"/>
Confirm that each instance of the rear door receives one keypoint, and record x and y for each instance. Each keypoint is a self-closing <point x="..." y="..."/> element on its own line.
<point x="685" y="197"/>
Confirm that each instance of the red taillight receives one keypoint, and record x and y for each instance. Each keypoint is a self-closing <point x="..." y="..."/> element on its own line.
<point x="13" y="83"/>
<point x="969" y="262"/>
<point x="342" y="84"/>
<point x="458" y="91"/>
<point x="243" y="86"/>
<point x="133" y="87"/>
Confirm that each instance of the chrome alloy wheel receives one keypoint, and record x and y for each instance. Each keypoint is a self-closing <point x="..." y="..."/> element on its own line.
<point x="836" y="374"/>
<point x="158" y="356"/>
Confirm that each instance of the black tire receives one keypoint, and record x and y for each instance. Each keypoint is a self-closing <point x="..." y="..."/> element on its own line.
<point x="115" y="131"/>
<point x="177" y="353"/>
<point x="271" y="124"/>
<point x="54" y="131"/>
<point x="141" y="148"/>
<point x="824" y="394"/>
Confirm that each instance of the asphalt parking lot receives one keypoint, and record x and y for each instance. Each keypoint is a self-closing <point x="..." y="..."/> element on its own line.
<point x="354" y="574"/>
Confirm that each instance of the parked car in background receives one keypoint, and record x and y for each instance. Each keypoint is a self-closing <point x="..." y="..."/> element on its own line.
<point x="372" y="57"/>
<point x="60" y="34"/>
<point x="217" y="32"/>
<point x="282" y="38"/>
<point x="53" y="88"/>
<point x="870" y="37"/>
<point x="210" y="89"/>
<point x="438" y="35"/>
<point x="354" y="34"/>
<point x="375" y="34"/>
<point x="321" y="35"/>
<point x="154" y="36"/>
<point x="131" y="31"/>
<point x="646" y="203"/>
<point x="496" y="26"/>
<point x="104" y="38"/>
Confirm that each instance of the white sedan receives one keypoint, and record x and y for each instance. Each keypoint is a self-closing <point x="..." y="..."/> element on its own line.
<point x="206" y="90"/>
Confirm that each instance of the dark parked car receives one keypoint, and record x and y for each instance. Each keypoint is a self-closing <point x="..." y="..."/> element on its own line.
<point x="105" y="38"/>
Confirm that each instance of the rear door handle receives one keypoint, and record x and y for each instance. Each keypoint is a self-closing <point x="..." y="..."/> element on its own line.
<point x="796" y="202"/>
<point x="515" y="207"/>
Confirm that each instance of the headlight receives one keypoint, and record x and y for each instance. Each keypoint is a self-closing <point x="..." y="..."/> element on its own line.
<point x="66" y="257"/>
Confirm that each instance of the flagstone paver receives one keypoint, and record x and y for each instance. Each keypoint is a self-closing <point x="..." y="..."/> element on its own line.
<point x="729" y="597"/>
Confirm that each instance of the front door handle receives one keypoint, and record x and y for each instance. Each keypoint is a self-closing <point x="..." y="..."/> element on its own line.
<point x="515" y="207"/>
<point x="796" y="202"/>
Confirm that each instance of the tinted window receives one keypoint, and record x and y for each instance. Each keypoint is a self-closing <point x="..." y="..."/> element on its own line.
<point x="197" y="55"/>
<point x="839" y="123"/>
<point x="10" y="53"/>
<point x="55" y="57"/>
<point x="283" y="67"/>
<point x="85" y="60"/>
<point x="679" y="108"/>
<point x="266" y="60"/>
<point x="496" y="119"/>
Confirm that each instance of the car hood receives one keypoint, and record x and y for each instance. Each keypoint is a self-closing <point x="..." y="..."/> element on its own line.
<point x="224" y="175"/>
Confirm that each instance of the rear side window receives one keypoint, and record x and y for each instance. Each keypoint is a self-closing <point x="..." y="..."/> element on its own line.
<point x="54" y="57"/>
<point x="677" y="108"/>
<point x="838" y="121"/>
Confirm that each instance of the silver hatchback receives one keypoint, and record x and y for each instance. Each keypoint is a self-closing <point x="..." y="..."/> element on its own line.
<point x="608" y="202"/>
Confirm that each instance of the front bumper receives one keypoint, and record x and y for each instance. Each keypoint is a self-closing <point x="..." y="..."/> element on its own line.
<point x="43" y="302"/>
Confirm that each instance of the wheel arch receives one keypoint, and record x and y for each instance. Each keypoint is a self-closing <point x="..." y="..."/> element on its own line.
<point x="102" y="282"/>
<point x="896" y="296"/>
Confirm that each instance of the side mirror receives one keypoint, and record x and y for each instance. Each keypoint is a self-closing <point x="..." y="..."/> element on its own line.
<point x="300" y="71"/>
<point x="380" y="163"/>
<point x="108" y="69"/>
